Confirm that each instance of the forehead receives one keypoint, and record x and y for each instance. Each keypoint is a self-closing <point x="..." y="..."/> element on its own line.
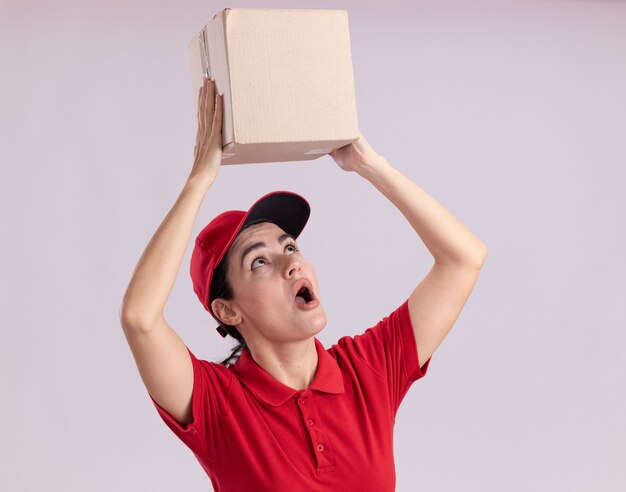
<point x="252" y="232"/>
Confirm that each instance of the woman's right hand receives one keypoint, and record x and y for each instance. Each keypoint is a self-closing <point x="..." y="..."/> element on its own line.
<point x="208" y="149"/>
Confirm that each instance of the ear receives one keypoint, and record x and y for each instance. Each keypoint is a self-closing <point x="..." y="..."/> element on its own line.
<point x="225" y="312"/>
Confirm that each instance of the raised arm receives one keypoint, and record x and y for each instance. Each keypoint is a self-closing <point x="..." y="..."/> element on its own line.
<point x="161" y="356"/>
<point x="438" y="299"/>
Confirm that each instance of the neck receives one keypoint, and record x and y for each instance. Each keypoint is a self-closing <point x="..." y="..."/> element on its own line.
<point x="294" y="364"/>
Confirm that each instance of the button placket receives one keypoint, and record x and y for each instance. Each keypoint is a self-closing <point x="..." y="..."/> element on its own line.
<point x="318" y="437"/>
<point x="304" y="398"/>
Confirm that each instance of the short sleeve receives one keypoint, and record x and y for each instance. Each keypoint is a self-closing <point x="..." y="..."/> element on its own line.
<point x="211" y="386"/>
<point x="390" y="349"/>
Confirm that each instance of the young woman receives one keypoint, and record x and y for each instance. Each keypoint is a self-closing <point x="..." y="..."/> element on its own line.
<point x="283" y="413"/>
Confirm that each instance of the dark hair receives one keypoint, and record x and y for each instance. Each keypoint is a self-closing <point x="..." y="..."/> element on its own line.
<point x="221" y="287"/>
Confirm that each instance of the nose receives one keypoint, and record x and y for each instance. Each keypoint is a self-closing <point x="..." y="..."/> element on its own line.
<point x="292" y="266"/>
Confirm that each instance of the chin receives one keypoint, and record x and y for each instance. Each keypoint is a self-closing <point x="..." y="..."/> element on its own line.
<point x="319" y="321"/>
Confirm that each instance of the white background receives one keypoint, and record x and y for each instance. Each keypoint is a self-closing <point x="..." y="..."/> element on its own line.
<point x="512" y="114"/>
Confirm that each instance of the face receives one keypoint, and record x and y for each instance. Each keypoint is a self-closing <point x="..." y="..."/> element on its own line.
<point x="263" y="280"/>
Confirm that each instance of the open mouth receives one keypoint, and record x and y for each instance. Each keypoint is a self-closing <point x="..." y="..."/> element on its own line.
<point x="304" y="296"/>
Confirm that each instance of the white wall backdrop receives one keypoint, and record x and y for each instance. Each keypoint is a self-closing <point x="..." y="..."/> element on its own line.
<point x="512" y="114"/>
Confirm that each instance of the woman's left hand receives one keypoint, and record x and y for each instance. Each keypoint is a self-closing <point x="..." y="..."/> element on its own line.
<point x="356" y="156"/>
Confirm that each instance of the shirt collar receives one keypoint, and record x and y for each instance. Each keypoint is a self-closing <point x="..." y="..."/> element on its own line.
<point x="267" y="388"/>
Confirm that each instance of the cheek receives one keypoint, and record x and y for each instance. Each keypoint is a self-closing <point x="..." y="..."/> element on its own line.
<point x="259" y="296"/>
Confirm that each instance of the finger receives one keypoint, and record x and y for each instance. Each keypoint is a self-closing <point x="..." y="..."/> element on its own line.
<point x="201" y="106"/>
<point x="207" y="83"/>
<point x="200" y="97"/>
<point x="213" y="118"/>
<point x="217" y="116"/>
<point x="210" y="106"/>
<point x="199" y="137"/>
<point x="221" y="107"/>
<point x="211" y="98"/>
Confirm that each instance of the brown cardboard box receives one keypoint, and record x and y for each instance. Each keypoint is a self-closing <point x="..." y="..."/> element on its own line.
<point x="287" y="80"/>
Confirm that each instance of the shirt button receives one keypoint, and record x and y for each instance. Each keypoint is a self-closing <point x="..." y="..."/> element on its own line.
<point x="310" y="422"/>
<point x="303" y="401"/>
<point x="320" y="448"/>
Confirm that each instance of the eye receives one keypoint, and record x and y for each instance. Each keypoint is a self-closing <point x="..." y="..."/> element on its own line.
<point x="291" y="245"/>
<point x="255" y="259"/>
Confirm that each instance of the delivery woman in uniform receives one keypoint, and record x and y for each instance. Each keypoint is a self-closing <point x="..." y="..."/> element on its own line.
<point x="283" y="413"/>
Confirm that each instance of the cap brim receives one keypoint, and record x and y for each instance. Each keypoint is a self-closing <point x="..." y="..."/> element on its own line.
<point x="287" y="210"/>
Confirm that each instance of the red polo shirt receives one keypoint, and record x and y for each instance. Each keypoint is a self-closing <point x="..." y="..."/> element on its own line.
<point x="252" y="433"/>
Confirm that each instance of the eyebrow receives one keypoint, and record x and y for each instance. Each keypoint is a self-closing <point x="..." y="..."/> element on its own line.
<point x="252" y="247"/>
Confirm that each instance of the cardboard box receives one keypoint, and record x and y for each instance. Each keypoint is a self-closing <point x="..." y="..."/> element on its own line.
<point x="287" y="80"/>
